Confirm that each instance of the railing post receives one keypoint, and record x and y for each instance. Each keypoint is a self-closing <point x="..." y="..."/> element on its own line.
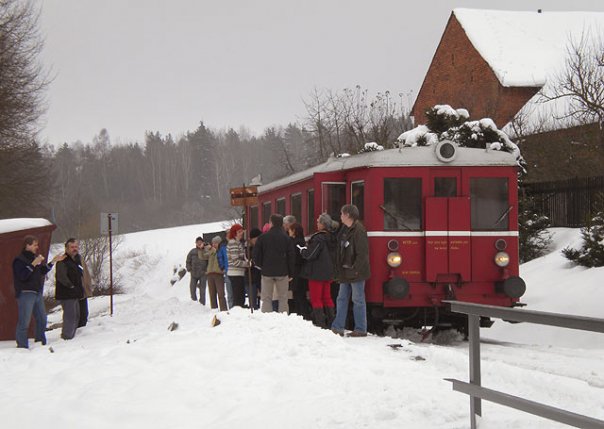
<point x="474" y="337"/>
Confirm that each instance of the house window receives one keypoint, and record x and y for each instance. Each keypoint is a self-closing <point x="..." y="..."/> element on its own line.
<point x="489" y="203"/>
<point x="402" y="204"/>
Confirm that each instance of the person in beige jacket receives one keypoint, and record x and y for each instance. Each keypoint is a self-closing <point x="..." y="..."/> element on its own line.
<point x="87" y="286"/>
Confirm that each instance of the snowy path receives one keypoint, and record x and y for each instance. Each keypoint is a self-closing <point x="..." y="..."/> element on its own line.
<point x="265" y="370"/>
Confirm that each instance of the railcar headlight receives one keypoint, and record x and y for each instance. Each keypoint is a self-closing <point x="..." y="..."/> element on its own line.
<point x="502" y="259"/>
<point x="394" y="259"/>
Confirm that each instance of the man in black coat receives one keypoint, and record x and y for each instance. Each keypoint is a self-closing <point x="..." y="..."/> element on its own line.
<point x="274" y="255"/>
<point x="69" y="287"/>
<point x="29" y="272"/>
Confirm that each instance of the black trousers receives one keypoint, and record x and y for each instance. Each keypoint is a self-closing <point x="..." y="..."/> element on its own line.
<point x="237" y="284"/>
<point x="83" y="312"/>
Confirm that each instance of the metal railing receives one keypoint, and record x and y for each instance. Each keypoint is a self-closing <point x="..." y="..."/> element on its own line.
<point x="477" y="392"/>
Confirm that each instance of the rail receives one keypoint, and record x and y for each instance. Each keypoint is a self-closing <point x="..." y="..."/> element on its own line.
<point x="477" y="392"/>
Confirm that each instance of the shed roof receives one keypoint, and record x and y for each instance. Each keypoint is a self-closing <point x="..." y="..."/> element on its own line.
<point x="20" y="224"/>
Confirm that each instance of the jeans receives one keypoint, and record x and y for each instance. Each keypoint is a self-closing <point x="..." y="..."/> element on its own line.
<point x="359" y="308"/>
<point x="71" y="317"/>
<point x="28" y="304"/>
<point x="198" y="282"/>
<point x="229" y="291"/>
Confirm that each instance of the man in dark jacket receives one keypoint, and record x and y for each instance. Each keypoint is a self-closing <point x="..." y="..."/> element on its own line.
<point x="352" y="269"/>
<point x="29" y="272"/>
<point x="70" y="288"/>
<point x="274" y="255"/>
<point x="197" y="264"/>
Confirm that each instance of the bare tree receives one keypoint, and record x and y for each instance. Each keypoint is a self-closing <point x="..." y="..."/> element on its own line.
<point x="582" y="81"/>
<point x="24" y="181"/>
<point x="23" y="78"/>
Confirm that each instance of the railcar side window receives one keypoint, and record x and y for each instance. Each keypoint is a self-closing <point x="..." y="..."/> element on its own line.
<point x="280" y="208"/>
<point x="295" y="204"/>
<point x="266" y="212"/>
<point x="310" y="212"/>
<point x="445" y="187"/>
<point x="489" y="203"/>
<point x="253" y="217"/>
<point x="357" y="192"/>
<point x="334" y="197"/>
<point x="402" y="204"/>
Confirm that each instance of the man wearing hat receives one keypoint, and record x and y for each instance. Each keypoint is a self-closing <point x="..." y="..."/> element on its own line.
<point x="197" y="264"/>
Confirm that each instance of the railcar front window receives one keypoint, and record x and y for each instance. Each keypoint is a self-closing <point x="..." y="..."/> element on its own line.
<point x="334" y="197"/>
<point x="445" y="187"/>
<point x="402" y="204"/>
<point x="489" y="203"/>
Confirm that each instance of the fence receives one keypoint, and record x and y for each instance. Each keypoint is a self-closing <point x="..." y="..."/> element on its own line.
<point x="568" y="203"/>
<point x="477" y="392"/>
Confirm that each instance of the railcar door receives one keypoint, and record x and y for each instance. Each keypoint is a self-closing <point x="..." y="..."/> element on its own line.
<point x="447" y="228"/>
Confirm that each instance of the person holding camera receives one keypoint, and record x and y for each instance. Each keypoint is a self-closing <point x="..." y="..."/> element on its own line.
<point x="29" y="273"/>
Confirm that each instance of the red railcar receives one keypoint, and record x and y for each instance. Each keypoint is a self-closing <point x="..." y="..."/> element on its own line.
<point x="442" y="224"/>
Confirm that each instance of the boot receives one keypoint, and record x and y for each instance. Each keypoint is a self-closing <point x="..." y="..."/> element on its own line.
<point x="330" y="314"/>
<point x="319" y="317"/>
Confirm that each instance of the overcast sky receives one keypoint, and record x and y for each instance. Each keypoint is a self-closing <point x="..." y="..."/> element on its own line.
<point x="137" y="65"/>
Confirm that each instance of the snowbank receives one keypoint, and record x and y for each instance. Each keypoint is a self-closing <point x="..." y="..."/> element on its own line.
<point x="268" y="370"/>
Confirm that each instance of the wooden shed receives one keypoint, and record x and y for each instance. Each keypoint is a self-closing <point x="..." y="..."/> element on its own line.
<point x="12" y="233"/>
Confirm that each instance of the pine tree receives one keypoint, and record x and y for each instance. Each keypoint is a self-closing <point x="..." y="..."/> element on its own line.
<point x="591" y="253"/>
<point x="534" y="238"/>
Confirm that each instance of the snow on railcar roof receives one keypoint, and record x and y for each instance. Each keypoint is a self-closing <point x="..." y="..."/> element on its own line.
<point x="20" y="224"/>
<point x="404" y="157"/>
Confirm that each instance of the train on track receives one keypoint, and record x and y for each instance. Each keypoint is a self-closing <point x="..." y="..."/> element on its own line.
<point x="442" y="223"/>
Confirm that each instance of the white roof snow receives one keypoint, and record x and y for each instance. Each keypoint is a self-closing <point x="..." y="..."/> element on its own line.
<point x="522" y="48"/>
<point x="20" y="224"/>
<point x="529" y="49"/>
<point x="405" y="157"/>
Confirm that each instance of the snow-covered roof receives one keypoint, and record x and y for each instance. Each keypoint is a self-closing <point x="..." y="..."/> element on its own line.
<point x="408" y="156"/>
<point x="522" y="47"/>
<point x="20" y="224"/>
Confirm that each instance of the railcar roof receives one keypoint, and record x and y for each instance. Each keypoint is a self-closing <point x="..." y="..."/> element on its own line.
<point x="405" y="157"/>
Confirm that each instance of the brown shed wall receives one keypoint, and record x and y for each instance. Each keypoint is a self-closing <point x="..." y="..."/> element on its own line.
<point x="460" y="77"/>
<point x="11" y="244"/>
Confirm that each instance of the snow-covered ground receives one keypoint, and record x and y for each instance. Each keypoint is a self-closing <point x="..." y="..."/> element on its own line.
<point x="272" y="371"/>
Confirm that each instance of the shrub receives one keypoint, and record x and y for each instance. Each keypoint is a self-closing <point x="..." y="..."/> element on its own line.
<point x="591" y="253"/>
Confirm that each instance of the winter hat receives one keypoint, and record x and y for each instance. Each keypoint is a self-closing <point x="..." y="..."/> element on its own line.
<point x="255" y="232"/>
<point x="234" y="229"/>
<point x="216" y="239"/>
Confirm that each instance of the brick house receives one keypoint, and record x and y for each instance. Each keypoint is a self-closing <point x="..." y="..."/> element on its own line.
<point x="495" y="64"/>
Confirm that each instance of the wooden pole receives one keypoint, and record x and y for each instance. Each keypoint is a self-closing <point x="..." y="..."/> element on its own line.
<point x="110" y="266"/>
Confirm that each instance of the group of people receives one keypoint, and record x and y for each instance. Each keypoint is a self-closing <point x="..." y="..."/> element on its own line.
<point x="72" y="290"/>
<point x="280" y="261"/>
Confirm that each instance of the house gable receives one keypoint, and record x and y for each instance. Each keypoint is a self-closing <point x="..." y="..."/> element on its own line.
<point x="461" y="77"/>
